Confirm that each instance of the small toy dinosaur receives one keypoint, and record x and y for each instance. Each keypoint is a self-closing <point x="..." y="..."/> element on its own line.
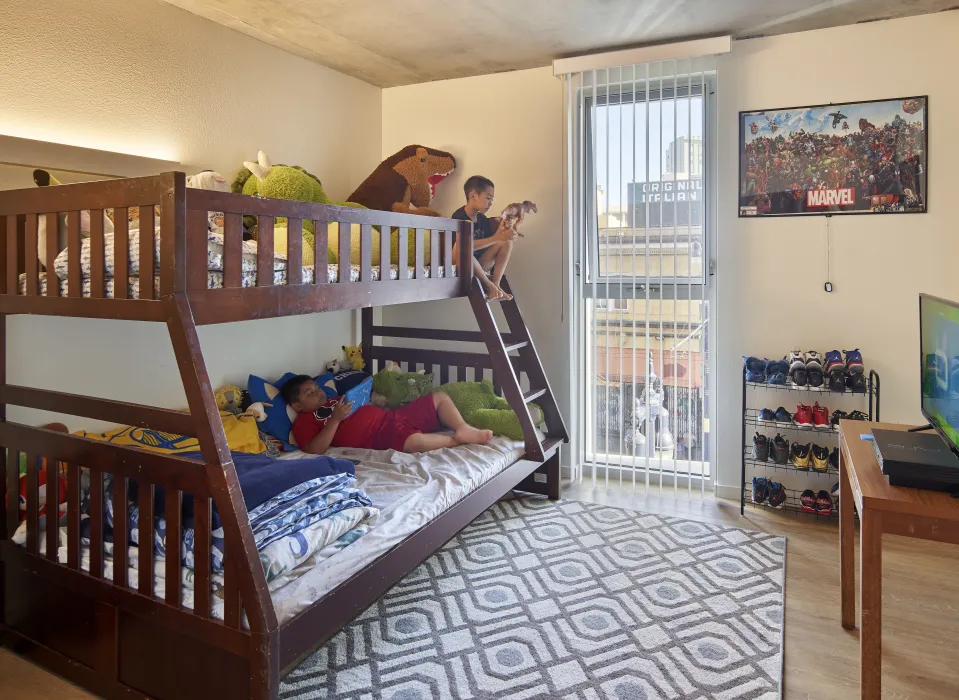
<point x="514" y="214"/>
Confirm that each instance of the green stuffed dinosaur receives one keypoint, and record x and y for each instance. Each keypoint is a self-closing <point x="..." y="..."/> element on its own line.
<point x="263" y="179"/>
<point x="482" y="408"/>
<point x="394" y="388"/>
<point x="477" y="401"/>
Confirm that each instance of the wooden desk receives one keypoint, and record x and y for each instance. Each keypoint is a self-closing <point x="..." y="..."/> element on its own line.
<point x="931" y="515"/>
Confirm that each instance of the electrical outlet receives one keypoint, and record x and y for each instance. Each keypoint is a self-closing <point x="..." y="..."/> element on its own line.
<point x="539" y="478"/>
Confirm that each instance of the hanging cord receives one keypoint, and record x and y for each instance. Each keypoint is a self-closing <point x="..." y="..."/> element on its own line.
<point x="828" y="248"/>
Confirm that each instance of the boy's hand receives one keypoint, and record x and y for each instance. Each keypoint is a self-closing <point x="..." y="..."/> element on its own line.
<point x="342" y="410"/>
<point x="505" y="231"/>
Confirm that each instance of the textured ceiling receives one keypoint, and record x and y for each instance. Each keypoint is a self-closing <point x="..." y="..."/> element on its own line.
<point x="398" y="42"/>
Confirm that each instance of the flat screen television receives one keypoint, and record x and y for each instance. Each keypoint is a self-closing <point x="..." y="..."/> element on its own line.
<point x="939" y="343"/>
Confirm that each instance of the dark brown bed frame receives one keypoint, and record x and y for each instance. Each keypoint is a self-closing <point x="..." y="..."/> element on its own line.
<point x="122" y="641"/>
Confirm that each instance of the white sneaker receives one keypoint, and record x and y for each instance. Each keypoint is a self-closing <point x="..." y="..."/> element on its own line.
<point x="813" y="360"/>
<point x="796" y="361"/>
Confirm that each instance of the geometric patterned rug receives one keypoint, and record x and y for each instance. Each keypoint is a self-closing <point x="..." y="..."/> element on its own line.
<point x="541" y="599"/>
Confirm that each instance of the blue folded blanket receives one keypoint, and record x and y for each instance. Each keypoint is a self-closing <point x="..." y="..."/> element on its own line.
<point x="282" y="497"/>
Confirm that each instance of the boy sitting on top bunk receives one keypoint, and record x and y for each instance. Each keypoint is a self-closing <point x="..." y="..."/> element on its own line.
<point x="322" y="423"/>
<point x="490" y="250"/>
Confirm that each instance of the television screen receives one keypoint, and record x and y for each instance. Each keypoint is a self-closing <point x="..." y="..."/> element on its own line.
<point x="939" y="340"/>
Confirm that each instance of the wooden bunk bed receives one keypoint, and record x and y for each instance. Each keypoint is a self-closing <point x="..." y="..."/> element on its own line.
<point x="121" y="640"/>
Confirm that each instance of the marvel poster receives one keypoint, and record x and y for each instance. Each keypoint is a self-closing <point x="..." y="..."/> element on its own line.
<point x="857" y="158"/>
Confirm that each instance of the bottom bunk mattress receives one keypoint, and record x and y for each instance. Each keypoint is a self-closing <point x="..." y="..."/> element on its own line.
<point x="407" y="492"/>
<point x="247" y="279"/>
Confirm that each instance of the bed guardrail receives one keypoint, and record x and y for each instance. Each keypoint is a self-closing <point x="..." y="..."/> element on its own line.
<point x="29" y="281"/>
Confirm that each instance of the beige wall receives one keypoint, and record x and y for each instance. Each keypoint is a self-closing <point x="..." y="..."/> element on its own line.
<point x="507" y="127"/>
<point x="771" y="273"/>
<point x="146" y="78"/>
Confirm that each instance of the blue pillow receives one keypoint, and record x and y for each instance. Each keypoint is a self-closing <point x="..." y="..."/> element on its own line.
<point x="279" y="416"/>
<point x="326" y="382"/>
<point x="360" y="394"/>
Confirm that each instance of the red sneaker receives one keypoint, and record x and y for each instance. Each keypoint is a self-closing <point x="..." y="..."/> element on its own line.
<point x="824" y="504"/>
<point x="803" y="416"/>
<point x="820" y="417"/>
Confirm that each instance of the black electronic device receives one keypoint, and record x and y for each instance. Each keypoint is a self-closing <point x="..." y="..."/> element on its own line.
<point x="916" y="460"/>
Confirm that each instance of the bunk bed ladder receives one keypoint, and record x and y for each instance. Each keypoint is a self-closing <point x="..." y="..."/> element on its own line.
<point x="506" y="369"/>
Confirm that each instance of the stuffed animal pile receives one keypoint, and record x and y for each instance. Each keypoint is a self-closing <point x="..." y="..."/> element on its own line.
<point x="476" y="401"/>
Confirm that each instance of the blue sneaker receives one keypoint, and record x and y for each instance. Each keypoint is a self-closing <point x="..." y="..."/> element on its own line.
<point x="833" y="362"/>
<point x="776" y="371"/>
<point x="767" y="416"/>
<point x="755" y="369"/>
<point x="759" y="489"/>
<point x="853" y="362"/>
<point x="783" y="416"/>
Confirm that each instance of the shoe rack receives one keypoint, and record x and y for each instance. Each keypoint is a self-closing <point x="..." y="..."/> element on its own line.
<point x="759" y="395"/>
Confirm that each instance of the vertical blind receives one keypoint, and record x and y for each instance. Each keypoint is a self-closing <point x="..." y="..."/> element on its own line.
<point x="637" y="177"/>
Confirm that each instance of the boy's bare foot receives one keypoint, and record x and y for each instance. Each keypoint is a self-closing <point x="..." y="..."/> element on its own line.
<point x="494" y="293"/>
<point x="468" y="435"/>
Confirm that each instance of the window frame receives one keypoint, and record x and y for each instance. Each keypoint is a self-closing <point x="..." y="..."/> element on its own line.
<point x="626" y="286"/>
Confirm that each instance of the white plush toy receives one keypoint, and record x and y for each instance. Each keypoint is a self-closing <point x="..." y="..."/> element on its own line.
<point x="258" y="410"/>
<point x="210" y="180"/>
<point x="334" y="366"/>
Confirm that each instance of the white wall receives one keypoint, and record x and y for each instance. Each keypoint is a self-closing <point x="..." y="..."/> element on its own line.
<point x="507" y="127"/>
<point x="771" y="273"/>
<point x="145" y="78"/>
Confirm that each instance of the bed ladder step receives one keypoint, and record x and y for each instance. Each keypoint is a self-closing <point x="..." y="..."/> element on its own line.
<point x="507" y="369"/>
<point x="530" y="396"/>
<point x="515" y="346"/>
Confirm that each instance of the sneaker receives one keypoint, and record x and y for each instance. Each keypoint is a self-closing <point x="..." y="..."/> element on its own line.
<point x="797" y="379"/>
<point x="857" y="415"/>
<point x="775" y="494"/>
<point x="759" y="489"/>
<point x="783" y="416"/>
<point x="820" y="417"/>
<point x="834" y="462"/>
<point x="856" y="383"/>
<point x="853" y="362"/>
<point x="755" y="369"/>
<point x="833" y="361"/>
<point x="813" y="361"/>
<point x="766" y="416"/>
<point x="819" y="456"/>
<point x="796" y="360"/>
<point x="799" y="456"/>
<point x="824" y="503"/>
<point x="780" y="449"/>
<point x="802" y="417"/>
<point x="760" y="448"/>
<point x="814" y="378"/>
<point x="837" y="381"/>
<point x="837" y="416"/>
<point x="776" y="371"/>
<point x="807" y="501"/>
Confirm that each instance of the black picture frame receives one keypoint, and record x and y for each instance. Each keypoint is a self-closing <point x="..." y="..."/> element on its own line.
<point x="895" y="153"/>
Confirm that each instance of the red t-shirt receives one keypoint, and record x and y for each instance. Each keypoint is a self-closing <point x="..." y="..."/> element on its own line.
<point x="308" y="425"/>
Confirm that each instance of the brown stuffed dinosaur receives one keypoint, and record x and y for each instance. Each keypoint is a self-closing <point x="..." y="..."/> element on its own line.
<point x="404" y="182"/>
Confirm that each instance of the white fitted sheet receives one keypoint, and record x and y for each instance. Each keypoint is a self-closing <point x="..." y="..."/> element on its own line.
<point x="409" y="491"/>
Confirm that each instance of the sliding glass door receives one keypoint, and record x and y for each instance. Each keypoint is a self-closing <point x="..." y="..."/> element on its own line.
<point x="641" y="274"/>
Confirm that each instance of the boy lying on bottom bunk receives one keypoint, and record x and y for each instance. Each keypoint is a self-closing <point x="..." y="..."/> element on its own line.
<point x="322" y="423"/>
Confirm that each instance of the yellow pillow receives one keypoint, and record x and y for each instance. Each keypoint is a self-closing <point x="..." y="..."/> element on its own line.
<point x="333" y="234"/>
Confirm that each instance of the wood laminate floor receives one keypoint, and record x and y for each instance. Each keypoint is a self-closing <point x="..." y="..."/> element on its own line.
<point x="920" y="607"/>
